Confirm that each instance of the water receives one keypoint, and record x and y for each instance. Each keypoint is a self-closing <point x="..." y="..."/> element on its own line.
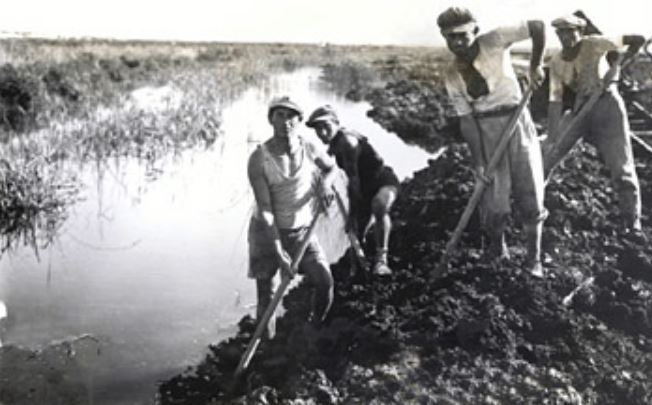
<point x="152" y="263"/>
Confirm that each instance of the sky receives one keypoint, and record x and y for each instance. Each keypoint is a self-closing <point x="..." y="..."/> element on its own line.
<point x="398" y="22"/>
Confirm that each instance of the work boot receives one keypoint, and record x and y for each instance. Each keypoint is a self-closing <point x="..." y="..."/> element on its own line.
<point x="535" y="268"/>
<point x="635" y="235"/>
<point x="380" y="267"/>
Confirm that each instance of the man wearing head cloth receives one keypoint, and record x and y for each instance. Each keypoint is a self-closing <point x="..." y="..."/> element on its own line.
<point x="285" y="173"/>
<point x="576" y="73"/>
<point x="484" y="91"/>
<point x="373" y="186"/>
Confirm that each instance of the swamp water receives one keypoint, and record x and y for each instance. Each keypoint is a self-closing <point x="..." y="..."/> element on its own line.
<point x="150" y="267"/>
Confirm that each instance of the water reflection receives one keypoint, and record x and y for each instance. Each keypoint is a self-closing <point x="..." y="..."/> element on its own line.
<point x="152" y="263"/>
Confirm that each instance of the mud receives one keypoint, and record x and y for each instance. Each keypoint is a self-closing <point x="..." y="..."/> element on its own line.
<point x="480" y="334"/>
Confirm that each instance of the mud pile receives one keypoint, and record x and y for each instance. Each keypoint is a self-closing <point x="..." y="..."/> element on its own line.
<point x="481" y="333"/>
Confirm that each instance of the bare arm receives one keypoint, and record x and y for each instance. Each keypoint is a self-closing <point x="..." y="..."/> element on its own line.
<point x="538" y="34"/>
<point x="633" y="44"/>
<point x="350" y="152"/>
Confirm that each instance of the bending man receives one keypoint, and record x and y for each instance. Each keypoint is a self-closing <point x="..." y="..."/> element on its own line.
<point x="483" y="88"/>
<point x="373" y="186"/>
<point x="576" y="73"/>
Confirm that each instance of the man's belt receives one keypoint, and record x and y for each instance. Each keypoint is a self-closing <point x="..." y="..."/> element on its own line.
<point x="497" y="112"/>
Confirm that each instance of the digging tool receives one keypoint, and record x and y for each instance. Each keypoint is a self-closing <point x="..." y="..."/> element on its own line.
<point x="569" y="298"/>
<point x="353" y="239"/>
<point x="641" y="142"/>
<point x="581" y="114"/>
<point x="276" y="299"/>
<point x="480" y="185"/>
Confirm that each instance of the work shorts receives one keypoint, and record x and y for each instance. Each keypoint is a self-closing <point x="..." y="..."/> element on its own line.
<point x="263" y="263"/>
<point x="369" y="188"/>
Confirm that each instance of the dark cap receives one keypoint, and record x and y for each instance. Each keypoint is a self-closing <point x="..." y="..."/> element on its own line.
<point x="284" y="102"/>
<point x="323" y="113"/>
<point x="568" y="22"/>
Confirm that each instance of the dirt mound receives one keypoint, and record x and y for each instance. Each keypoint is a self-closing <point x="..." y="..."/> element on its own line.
<point x="481" y="334"/>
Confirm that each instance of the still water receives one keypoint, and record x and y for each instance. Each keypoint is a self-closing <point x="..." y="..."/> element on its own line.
<point x="152" y="263"/>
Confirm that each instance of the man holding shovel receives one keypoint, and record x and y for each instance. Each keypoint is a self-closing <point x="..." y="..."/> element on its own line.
<point x="483" y="88"/>
<point x="285" y="174"/>
<point x="373" y="185"/>
<point x="577" y="73"/>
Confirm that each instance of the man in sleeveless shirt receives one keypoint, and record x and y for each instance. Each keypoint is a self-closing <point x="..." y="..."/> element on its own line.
<point x="484" y="91"/>
<point x="576" y="72"/>
<point x="373" y="186"/>
<point x="284" y="173"/>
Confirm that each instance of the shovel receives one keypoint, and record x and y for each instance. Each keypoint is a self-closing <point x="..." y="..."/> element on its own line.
<point x="353" y="239"/>
<point x="480" y="186"/>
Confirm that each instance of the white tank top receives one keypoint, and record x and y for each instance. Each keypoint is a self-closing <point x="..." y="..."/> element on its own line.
<point x="293" y="201"/>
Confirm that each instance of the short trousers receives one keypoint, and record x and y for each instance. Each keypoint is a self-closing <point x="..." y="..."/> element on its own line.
<point x="262" y="256"/>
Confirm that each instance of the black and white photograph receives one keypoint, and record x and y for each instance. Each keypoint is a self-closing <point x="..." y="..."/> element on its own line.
<point x="299" y="202"/>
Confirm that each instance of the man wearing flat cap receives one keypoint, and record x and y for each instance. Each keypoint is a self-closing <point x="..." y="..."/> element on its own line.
<point x="285" y="174"/>
<point x="576" y="73"/>
<point x="373" y="186"/>
<point x="482" y="86"/>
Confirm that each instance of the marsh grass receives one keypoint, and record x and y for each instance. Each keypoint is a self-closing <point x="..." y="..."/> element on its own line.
<point x="33" y="201"/>
<point x="90" y="100"/>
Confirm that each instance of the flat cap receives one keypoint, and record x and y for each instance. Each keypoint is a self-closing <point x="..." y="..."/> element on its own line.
<point x="568" y="22"/>
<point x="323" y="113"/>
<point x="284" y="102"/>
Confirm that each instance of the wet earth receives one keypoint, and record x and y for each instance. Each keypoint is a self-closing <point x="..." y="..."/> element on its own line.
<point x="480" y="334"/>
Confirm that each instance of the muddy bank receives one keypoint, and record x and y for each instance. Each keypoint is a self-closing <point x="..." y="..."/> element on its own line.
<point x="481" y="333"/>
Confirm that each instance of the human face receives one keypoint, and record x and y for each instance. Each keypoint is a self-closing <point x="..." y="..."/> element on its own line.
<point x="284" y="121"/>
<point x="569" y="37"/>
<point x="460" y="42"/>
<point x="325" y="130"/>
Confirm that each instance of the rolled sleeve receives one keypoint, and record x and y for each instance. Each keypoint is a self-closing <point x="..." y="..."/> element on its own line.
<point x="507" y="35"/>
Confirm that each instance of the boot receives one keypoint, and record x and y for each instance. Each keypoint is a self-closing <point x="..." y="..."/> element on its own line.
<point x="633" y="231"/>
<point x="533" y="240"/>
<point x="380" y="267"/>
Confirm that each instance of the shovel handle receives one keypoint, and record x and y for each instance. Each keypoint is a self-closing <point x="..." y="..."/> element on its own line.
<point x="353" y="239"/>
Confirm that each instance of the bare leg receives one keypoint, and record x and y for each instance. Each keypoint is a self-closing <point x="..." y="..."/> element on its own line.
<point x="381" y="205"/>
<point x="322" y="294"/>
